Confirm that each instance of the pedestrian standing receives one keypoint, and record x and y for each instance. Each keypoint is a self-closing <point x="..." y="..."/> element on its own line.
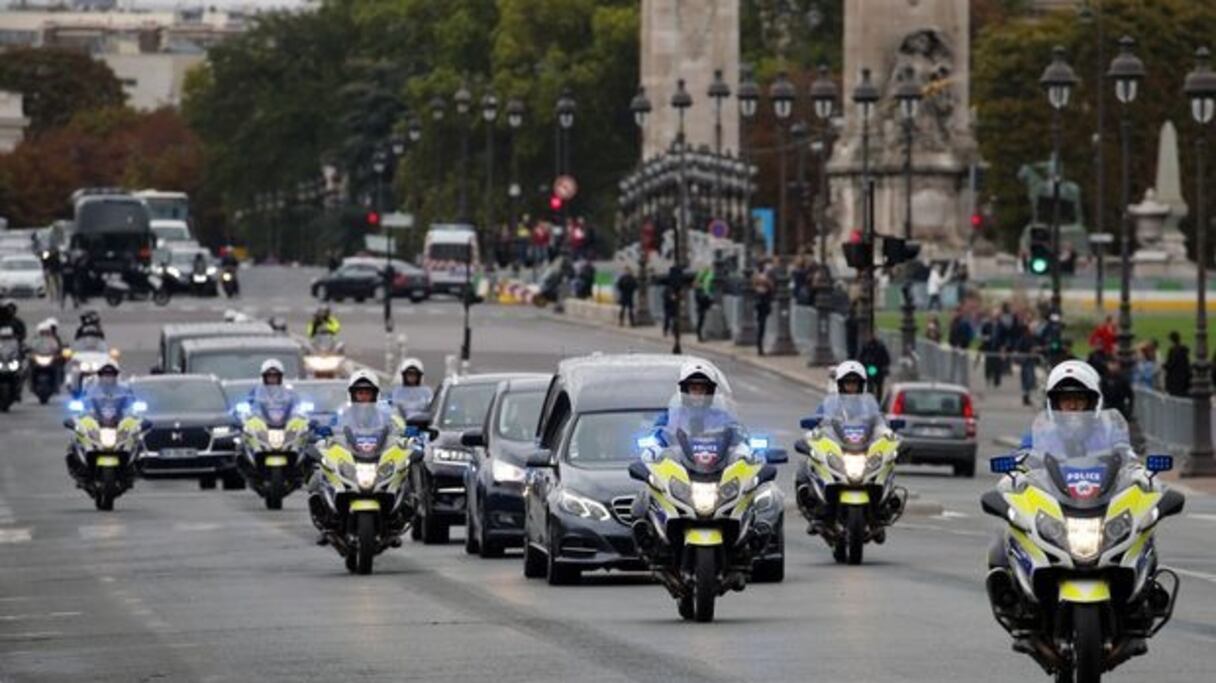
<point x="1116" y="390"/>
<point x="626" y="287"/>
<point x="990" y="348"/>
<point x="1177" y="367"/>
<point x="852" y="322"/>
<point x="877" y="359"/>
<point x="1025" y="347"/>
<point x="703" y="293"/>
<point x="933" y="330"/>
<point x="938" y="277"/>
<point x="762" y="288"/>
<point x="1145" y="374"/>
<point x="670" y="299"/>
<point x="1104" y="336"/>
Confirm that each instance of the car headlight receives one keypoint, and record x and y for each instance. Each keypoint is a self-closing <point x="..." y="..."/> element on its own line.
<point x="1051" y="529"/>
<point x="855" y="466"/>
<point x="582" y="506"/>
<point x="86" y="366"/>
<point x="222" y="430"/>
<point x="704" y="497"/>
<point x="365" y="474"/>
<point x="503" y="471"/>
<point x="174" y="271"/>
<point x="274" y="437"/>
<point x="1084" y="537"/>
<point x="14" y="364"/>
<point x="1117" y="530"/>
<point x="108" y="437"/>
<point x="452" y="455"/>
<point x="211" y="270"/>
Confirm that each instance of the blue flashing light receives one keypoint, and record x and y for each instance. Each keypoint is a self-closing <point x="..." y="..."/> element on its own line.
<point x="139" y="407"/>
<point x="758" y="443"/>
<point x="76" y="405"/>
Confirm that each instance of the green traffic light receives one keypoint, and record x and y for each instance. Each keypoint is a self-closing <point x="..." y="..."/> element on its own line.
<point x="872" y="370"/>
<point x="1038" y="266"/>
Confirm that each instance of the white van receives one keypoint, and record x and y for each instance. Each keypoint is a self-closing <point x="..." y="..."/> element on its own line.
<point x="450" y="249"/>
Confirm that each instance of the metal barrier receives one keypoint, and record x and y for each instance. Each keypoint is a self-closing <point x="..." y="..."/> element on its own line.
<point x="1166" y="421"/>
<point x="934" y="361"/>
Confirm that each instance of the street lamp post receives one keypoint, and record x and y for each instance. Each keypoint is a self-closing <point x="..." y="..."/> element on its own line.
<point x="515" y="119"/>
<point x="463" y="100"/>
<point x="1058" y="81"/>
<point x="749" y="98"/>
<point x="680" y="101"/>
<point x="908" y="94"/>
<point x="641" y="108"/>
<point x="1200" y="89"/>
<point x="565" y="121"/>
<point x="1126" y="70"/>
<point x="489" y="114"/>
<point x="782" y="94"/>
<point x="379" y="165"/>
<point x="718" y="91"/>
<point x="865" y="96"/>
<point x="466" y="347"/>
<point x="437" y="107"/>
<point x="823" y="97"/>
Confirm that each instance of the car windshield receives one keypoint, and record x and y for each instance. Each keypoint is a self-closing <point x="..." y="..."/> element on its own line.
<point x="188" y="396"/>
<point x="20" y="264"/>
<point x="358" y="271"/>
<point x="326" y="397"/>
<point x="112" y="215"/>
<point x="932" y="403"/>
<point x="448" y="251"/>
<point x="609" y="440"/>
<point x="177" y="208"/>
<point x="519" y="414"/>
<point x="241" y="363"/>
<point x="465" y="405"/>
<point x="184" y="258"/>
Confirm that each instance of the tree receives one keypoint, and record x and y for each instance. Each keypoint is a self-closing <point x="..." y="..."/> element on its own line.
<point x="57" y="84"/>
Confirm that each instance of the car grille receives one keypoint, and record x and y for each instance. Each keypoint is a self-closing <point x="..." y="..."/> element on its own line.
<point x="197" y="438"/>
<point x="20" y="291"/>
<point x="622" y="507"/>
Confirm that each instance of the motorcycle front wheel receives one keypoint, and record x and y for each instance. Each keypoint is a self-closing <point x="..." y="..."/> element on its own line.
<point x="365" y="528"/>
<point x="104" y="500"/>
<point x="274" y="489"/>
<point x="855" y="532"/>
<point x="160" y="297"/>
<point x="1088" y="652"/>
<point x="114" y="299"/>
<point x="705" y="590"/>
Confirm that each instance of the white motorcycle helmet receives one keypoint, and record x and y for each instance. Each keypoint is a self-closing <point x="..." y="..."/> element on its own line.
<point x="698" y="372"/>
<point x="271" y="365"/>
<point x="363" y="379"/>
<point x="108" y="366"/>
<point x="410" y="364"/>
<point x="1074" y="377"/>
<point x="850" y="369"/>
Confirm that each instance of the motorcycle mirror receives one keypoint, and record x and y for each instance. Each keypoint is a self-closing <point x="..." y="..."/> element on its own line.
<point x="802" y="447"/>
<point x="1171" y="503"/>
<point x="994" y="504"/>
<point x="69" y="423"/>
<point x="473" y="438"/>
<point x="767" y="474"/>
<point x="809" y="423"/>
<point x="638" y="470"/>
<point x="776" y="456"/>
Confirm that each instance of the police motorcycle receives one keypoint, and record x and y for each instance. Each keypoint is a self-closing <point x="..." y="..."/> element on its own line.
<point x="44" y="358"/>
<point x="136" y="284"/>
<point x="358" y="495"/>
<point x="12" y="369"/>
<point x="229" y="283"/>
<point x="275" y="435"/>
<point x="105" y="442"/>
<point x="325" y="356"/>
<point x="85" y="357"/>
<point x="845" y="486"/>
<point x="1074" y="577"/>
<point x="699" y="522"/>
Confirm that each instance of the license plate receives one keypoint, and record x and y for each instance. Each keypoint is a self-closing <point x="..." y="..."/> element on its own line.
<point x="276" y="461"/>
<point x="175" y="453"/>
<point x="936" y="432"/>
<point x="107" y="461"/>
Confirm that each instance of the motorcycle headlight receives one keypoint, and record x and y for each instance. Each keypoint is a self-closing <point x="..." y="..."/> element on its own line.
<point x="1084" y="537"/>
<point x="275" y="438"/>
<point x="86" y="366"/>
<point x="452" y="455"/>
<point x="680" y="490"/>
<point x="386" y="471"/>
<point x="211" y="270"/>
<point x="174" y="271"/>
<point x="227" y="277"/>
<point x="704" y="497"/>
<point x="582" y="506"/>
<point x="108" y="437"/>
<point x="855" y="466"/>
<point x="728" y="493"/>
<point x="14" y="364"/>
<point x="1117" y="530"/>
<point x="503" y="471"/>
<point x="763" y="499"/>
<point x="1051" y="529"/>
<point x="346" y="470"/>
<point x="873" y="464"/>
<point x="365" y="474"/>
<point x="44" y="360"/>
<point x="323" y="363"/>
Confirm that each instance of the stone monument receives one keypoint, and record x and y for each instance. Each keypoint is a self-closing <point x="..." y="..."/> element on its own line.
<point x="1161" y="244"/>
<point x="689" y="39"/>
<point x="931" y="37"/>
<point x="13" y="120"/>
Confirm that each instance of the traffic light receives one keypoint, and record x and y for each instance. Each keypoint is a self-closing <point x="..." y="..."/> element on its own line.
<point x="858" y="254"/>
<point x="897" y="250"/>
<point x="1041" y="257"/>
<point x="977" y="221"/>
<point x="555" y="202"/>
<point x="373" y="219"/>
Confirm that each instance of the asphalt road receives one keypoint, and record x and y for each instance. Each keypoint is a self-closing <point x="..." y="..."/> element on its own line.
<point x="180" y="584"/>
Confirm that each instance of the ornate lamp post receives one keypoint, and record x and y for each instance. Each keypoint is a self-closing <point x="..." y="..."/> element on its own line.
<point x="463" y="100"/>
<point x="680" y="101"/>
<point x="782" y="93"/>
<point x="865" y="97"/>
<point x="1126" y="70"/>
<point x="438" y="108"/>
<point x="641" y="108"/>
<point x="749" y="99"/>
<point x="1058" y="81"/>
<point x="515" y="119"/>
<point x="718" y="91"/>
<point x="908" y="94"/>
<point x="489" y="114"/>
<point x="824" y="94"/>
<point x="1200" y="89"/>
<point x="565" y="109"/>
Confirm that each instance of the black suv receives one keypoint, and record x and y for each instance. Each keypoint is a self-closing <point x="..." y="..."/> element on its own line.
<point x="193" y="436"/>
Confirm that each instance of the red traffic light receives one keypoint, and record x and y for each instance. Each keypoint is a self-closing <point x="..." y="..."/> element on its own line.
<point x="977" y="221"/>
<point x="373" y="218"/>
<point x="555" y="202"/>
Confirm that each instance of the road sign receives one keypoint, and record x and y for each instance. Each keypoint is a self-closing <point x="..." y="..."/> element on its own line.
<point x="718" y="228"/>
<point x="565" y="187"/>
<point x="397" y="220"/>
<point x="1101" y="238"/>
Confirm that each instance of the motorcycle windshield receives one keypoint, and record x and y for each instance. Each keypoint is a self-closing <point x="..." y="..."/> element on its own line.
<point x="274" y="405"/>
<point x="699" y="415"/>
<point x="707" y="452"/>
<point x="43" y="346"/>
<point x="325" y="343"/>
<point x="1080" y="455"/>
<point x="93" y="344"/>
<point x="108" y="411"/>
<point x="852" y="419"/>
<point x="9" y="349"/>
<point x="365" y="429"/>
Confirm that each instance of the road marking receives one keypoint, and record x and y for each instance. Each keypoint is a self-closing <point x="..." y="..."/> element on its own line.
<point x="196" y="526"/>
<point x="52" y="615"/>
<point x="31" y="635"/>
<point x="15" y="535"/>
<point x="934" y="527"/>
<point x="1203" y="516"/>
<point x="1203" y="576"/>
<point x="951" y="514"/>
<point x="97" y="532"/>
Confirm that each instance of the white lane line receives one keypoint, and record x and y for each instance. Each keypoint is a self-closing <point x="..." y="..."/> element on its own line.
<point x="52" y="615"/>
<point x="951" y="514"/>
<point x="15" y="535"/>
<point x="196" y="526"/>
<point x="1203" y="516"/>
<point x="97" y="532"/>
<point x="31" y="635"/>
<point x="942" y="529"/>
<point x="1203" y="576"/>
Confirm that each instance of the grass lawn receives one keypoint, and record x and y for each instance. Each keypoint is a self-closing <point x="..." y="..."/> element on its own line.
<point x="1144" y="325"/>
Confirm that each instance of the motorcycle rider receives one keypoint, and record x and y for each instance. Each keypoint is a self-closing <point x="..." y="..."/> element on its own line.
<point x="47" y="343"/>
<point x="850" y="378"/>
<point x="323" y="322"/>
<point x="412" y="396"/>
<point x="107" y="399"/>
<point x="272" y="391"/>
<point x="90" y="325"/>
<point x="9" y="318"/>
<point x="697" y="406"/>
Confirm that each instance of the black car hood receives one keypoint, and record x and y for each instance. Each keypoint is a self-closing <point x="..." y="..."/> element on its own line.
<point x="602" y="485"/>
<point x="176" y="420"/>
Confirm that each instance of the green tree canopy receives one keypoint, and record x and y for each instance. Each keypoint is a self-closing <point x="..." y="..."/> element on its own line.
<point x="56" y="84"/>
